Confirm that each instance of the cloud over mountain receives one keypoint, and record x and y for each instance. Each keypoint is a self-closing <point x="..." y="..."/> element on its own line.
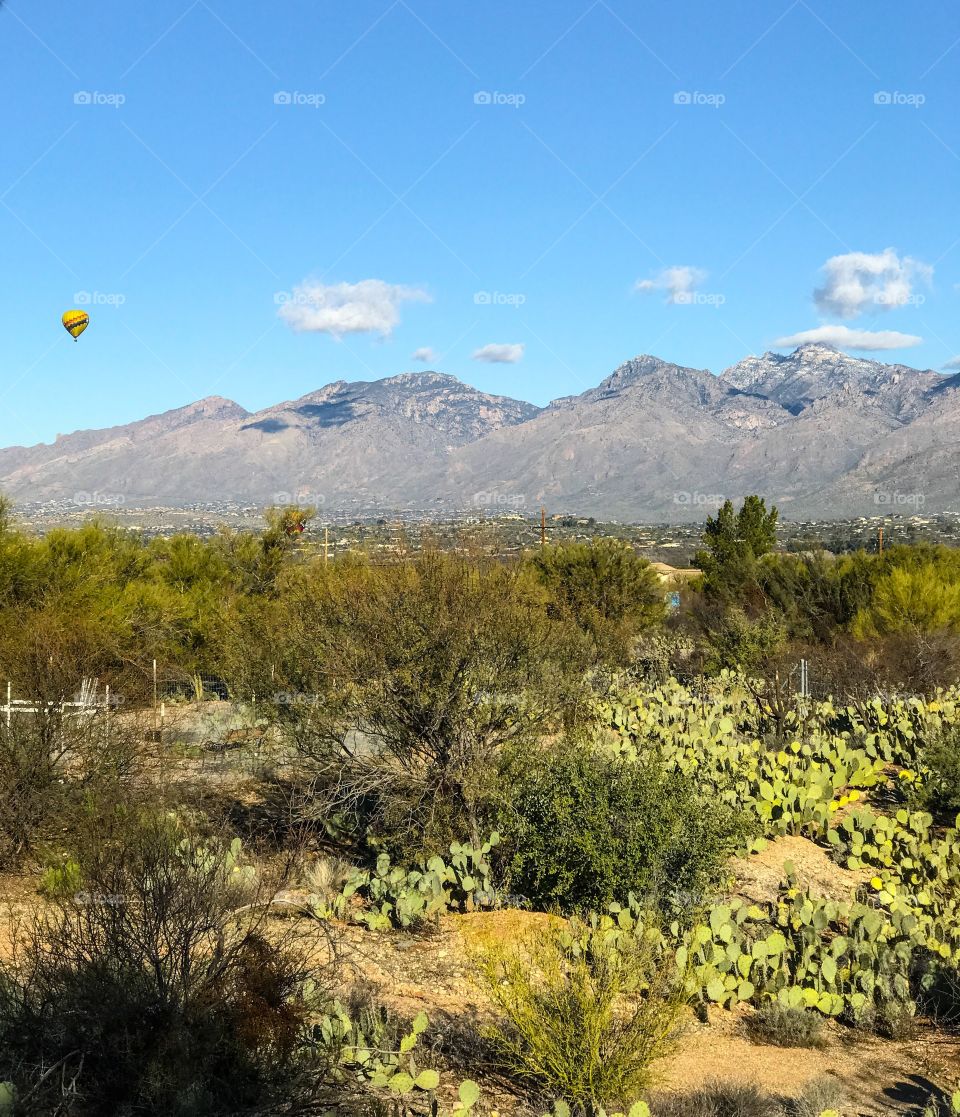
<point x="495" y="354"/>
<point x="860" y="281"/>
<point x="847" y="338"/>
<point x="678" y="282"/>
<point x="370" y="306"/>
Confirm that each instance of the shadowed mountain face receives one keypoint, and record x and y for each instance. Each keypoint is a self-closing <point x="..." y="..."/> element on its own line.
<point x="818" y="432"/>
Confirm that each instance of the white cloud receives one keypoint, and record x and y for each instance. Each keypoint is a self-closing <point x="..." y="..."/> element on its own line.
<point x="678" y="282"/>
<point x="859" y="281"/>
<point x="426" y="354"/>
<point x="370" y="306"/>
<point x="953" y="364"/>
<point x="500" y="354"/>
<point x="842" y="337"/>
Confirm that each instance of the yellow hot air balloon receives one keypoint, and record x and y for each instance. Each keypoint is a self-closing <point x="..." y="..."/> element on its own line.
<point x="75" y="322"/>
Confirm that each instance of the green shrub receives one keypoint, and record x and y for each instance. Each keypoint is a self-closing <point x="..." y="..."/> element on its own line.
<point x="718" y="1099"/>
<point x="610" y="591"/>
<point x="584" y="829"/>
<point x="940" y="793"/>
<point x="51" y="769"/>
<point x="785" y="1027"/>
<point x="60" y="882"/>
<point x="583" y="1017"/>
<point x="437" y="664"/>
<point x="821" y="1095"/>
<point x="155" y="990"/>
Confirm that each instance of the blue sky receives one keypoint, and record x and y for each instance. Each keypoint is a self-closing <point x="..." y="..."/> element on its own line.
<point x="253" y="200"/>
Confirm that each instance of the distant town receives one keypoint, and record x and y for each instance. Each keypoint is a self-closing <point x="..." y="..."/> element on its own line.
<point x="502" y="533"/>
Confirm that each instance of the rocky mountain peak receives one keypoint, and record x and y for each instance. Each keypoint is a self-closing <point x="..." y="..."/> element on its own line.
<point x="813" y="429"/>
<point x="816" y="371"/>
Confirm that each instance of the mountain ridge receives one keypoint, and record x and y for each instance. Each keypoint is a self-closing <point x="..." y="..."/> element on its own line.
<point x="816" y="430"/>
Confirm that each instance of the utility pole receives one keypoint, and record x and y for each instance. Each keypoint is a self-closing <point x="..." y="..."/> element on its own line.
<point x="880" y="551"/>
<point x="543" y="526"/>
<point x="326" y="544"/>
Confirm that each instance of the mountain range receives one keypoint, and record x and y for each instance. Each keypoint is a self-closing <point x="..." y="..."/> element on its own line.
<point x="818" y="432"/>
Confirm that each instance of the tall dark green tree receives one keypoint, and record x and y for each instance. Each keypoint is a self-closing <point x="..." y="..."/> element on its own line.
<point x="733" y="541"/>
<point x="756" y="527"/>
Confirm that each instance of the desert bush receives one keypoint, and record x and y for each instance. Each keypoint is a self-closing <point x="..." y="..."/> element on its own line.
<point x="718" y="1099"/>
<point x="820" y="1095"/>
<point x="893" y="1019"/>
<point x="156" y="989"/>
<point x="609" y="590"/>
<point x="401" y="685"/>
<point x="785" y="1027"/>
<point x="583" y="1017"/>
<point x="583" y="829"/>
<point x="50" y="766"/>
<point x="940" y="792"/>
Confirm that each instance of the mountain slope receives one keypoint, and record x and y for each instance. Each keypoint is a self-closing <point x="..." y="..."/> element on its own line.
<point x="818" y="432"/>
<point x="649" y="441"/>
<point x="346" y="444"/>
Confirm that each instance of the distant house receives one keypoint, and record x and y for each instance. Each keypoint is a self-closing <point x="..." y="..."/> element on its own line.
<point x="677" y="574"/>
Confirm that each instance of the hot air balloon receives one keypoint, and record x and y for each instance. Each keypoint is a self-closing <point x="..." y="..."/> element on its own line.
<point x="75" y="322"/>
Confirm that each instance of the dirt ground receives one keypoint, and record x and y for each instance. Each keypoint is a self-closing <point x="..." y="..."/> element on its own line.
<point x="433" y="971"/>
